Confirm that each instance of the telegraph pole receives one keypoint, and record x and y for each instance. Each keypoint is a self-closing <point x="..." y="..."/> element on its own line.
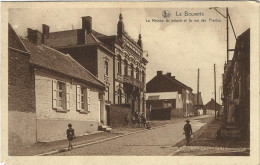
<point x="197" y="108"/>
<point x="215" y="88"/>
<point x="227" y="36"/>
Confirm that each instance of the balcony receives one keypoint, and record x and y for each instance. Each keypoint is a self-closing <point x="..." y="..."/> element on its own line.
<point x="133" y="81"/>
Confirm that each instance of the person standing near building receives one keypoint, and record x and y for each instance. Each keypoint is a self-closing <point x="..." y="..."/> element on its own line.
<point x="187" y="131"/>
<point x="70" y="136"/>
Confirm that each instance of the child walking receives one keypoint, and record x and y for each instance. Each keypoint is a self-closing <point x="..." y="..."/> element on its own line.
<point x="70" y="136"/>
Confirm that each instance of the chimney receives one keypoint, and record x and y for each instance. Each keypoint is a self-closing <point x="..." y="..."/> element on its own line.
<point x="169" y="74"/>
<point x="45" y="33"/>
<point x="34" y="36"/>
<point x="87" y="23"/>
<point x="159" y="72"/>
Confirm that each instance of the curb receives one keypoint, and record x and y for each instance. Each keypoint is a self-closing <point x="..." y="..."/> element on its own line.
<point x="99" y="141"/>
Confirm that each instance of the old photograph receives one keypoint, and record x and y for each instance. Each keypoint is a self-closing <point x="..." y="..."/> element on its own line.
<point x="129" y="81"/>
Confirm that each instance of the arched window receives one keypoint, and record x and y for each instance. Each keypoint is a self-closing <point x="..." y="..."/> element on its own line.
<point x="119" y="64"/>
<point x="106" y="68"/>
<point x="137" y="74"/>
<point x="132" y="70"/>
<point x="143" y="76"/>
<point x="119" y="96"/>
<point x="126" y="68"/>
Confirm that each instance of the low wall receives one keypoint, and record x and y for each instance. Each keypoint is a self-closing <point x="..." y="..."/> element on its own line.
<point x="21" y="128"/>
<point x="51" y="130"/>
<point x="161" y="114"/>
<point x="118" y="114"/>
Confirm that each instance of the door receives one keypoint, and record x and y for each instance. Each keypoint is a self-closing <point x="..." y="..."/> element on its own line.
<point x="108" y="114"/>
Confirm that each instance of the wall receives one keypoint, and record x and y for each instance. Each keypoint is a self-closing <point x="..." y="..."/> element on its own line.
<point x="21" y="129"/>
<point x="118" y="114"/>
<point x="21" y="107"/>
<point x="177" y="112"/>
<point x="58" y="121"/>
<point x="102" y="57"/>
<point x="20" y="83"/>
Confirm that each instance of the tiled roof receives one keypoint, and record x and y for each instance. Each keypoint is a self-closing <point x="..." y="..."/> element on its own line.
<point x="97" y="34"/>
<point x="211" y="105"/>
<point x="54" y="60"/>
<point x="63" y="38"/>
<point x="172" y="78"/>
<point x="72" y="37"/>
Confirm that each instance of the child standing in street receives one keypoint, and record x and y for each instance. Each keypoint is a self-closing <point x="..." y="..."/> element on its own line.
<point x="70" y="136"/>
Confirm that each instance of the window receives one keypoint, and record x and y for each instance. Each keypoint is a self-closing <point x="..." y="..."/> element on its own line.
<point x="143" y="76"/>
<point x="106" y="68"/>
<point x="137" y="73"/>
<point x="126" y="68"/>
<point x="60" y="95"/>
<point x="83" y="99"/>
<point x="132" y="70"/>
<point x="167" y="104"/>
<point x="119" y="64"/>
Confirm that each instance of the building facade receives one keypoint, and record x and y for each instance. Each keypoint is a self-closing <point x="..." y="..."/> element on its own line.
<point x="53" y="89"/>
<point x="116" y="60"/>
<point x="236" y="88"/>
<point x="162" y="84"/>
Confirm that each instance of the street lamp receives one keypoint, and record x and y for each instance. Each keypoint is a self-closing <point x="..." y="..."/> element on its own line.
<point x="227" y="18"/>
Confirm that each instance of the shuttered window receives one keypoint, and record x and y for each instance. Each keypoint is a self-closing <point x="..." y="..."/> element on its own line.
<point x="83" y="99"/>
<point x="60" y="95"/>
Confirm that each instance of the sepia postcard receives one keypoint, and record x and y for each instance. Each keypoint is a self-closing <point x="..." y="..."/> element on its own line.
<point x="130" y="83"/>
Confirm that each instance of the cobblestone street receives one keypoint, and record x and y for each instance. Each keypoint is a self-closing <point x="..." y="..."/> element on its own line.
<point x="159" y="141"/>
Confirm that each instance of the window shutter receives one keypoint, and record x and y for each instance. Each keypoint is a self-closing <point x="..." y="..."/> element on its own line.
<point x="78" y="97"/>
<point x="88" y="99"/>
<point x="68" y="96"/>
<point x="54" y="93"/>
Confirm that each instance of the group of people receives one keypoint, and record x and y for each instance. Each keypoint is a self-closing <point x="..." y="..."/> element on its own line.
<point x="137" y="120"/>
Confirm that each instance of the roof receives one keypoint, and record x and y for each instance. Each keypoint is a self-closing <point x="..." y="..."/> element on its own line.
<point x="200" y="99"/>
<point x="49" y="58"/>
<point x="211" y="105"/>
<point x="180" y="83"/>
<point x="161" y="95"/>
<point x="72" y="37"/>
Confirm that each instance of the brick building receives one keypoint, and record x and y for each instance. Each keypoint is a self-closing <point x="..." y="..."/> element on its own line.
<point x="116" y="60"/>
<point x="236" y="88"/>
<point x="179" y="95"/>
<point x="47" y="91"/>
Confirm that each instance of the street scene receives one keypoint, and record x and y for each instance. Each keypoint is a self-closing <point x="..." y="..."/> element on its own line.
<point x="129" y="82"/>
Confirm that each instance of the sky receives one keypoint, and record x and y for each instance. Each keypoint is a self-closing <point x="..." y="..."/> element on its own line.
<point x="177" y="47"/>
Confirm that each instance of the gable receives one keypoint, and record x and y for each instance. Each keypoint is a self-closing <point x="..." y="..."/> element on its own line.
<point x="162" y="84"/>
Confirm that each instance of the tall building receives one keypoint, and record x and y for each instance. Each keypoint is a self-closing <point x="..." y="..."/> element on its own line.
<point x="236" y="90"/>
<point x="116" y="60"/>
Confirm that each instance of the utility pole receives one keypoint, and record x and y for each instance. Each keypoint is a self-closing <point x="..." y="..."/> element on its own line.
<point x="215" y="88"/>
<point x="227" y="35"/>
<point x="197" y="108"/>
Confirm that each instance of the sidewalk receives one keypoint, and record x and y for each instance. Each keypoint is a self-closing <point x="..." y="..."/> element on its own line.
<point x="205" y="142"/>
<point x="96" y="137"/>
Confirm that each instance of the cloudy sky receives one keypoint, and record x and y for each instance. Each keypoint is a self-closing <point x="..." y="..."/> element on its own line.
<point x="180" y="47"/>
